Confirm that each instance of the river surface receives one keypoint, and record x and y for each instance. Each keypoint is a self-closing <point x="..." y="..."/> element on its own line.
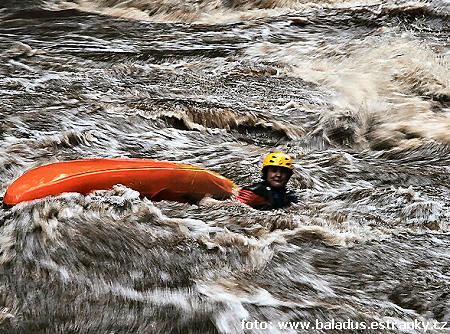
<point x="358" y="92"/>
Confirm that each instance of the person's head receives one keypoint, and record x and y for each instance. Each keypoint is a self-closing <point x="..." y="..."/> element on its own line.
<point x="277" y="169"/>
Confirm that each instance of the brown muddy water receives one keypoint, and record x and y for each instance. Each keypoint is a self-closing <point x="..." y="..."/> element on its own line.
<point x="356" y="91"/>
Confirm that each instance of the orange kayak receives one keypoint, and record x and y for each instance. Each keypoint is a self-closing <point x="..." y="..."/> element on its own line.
<point x="158" y="180"/>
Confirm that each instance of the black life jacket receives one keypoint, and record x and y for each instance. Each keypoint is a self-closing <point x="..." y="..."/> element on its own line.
<point x="275" y="198"/>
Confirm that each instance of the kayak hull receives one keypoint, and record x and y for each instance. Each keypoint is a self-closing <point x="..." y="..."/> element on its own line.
<point x="157" y="180"/>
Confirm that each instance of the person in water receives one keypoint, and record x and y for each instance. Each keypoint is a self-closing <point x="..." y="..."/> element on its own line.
<point x="271" y="193"/>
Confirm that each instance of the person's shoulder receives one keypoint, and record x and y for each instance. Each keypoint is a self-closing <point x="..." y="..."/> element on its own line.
<point x="291" y="196"/>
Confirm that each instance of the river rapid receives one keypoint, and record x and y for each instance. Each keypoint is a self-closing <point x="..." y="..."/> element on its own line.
<point x="358" y="92"/>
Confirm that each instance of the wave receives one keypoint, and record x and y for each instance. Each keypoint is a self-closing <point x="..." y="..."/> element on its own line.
<point x="229" y="11"/>
<point x="387" y="90"/>
<point x="246" y="125"/>
<point x="42" y="13"/>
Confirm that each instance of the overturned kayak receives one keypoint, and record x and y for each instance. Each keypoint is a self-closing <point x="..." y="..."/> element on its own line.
<point x="157" y="180"/>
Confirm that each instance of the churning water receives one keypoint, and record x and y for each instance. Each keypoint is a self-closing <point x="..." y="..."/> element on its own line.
<point x="357" y="92"/>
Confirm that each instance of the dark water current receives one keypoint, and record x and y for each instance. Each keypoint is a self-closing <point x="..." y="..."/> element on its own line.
<point x="357" y="92"/>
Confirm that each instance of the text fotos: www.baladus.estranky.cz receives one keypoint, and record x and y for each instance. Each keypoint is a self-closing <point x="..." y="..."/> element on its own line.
<point x="348" y="324"/>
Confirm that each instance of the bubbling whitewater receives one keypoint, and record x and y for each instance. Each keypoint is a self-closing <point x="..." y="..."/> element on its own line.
<point x="356" y="92"/>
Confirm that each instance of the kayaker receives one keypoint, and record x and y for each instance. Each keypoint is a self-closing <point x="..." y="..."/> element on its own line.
<point x="271" y="193"/>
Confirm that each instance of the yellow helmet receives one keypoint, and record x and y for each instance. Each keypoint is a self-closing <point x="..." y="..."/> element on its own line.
<point x="278" y="159"/>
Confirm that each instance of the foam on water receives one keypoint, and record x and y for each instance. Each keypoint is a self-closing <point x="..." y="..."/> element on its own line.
<point x="357" y="93"/>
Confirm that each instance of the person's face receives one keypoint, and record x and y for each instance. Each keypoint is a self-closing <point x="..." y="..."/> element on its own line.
<point x="278" y="177"/>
